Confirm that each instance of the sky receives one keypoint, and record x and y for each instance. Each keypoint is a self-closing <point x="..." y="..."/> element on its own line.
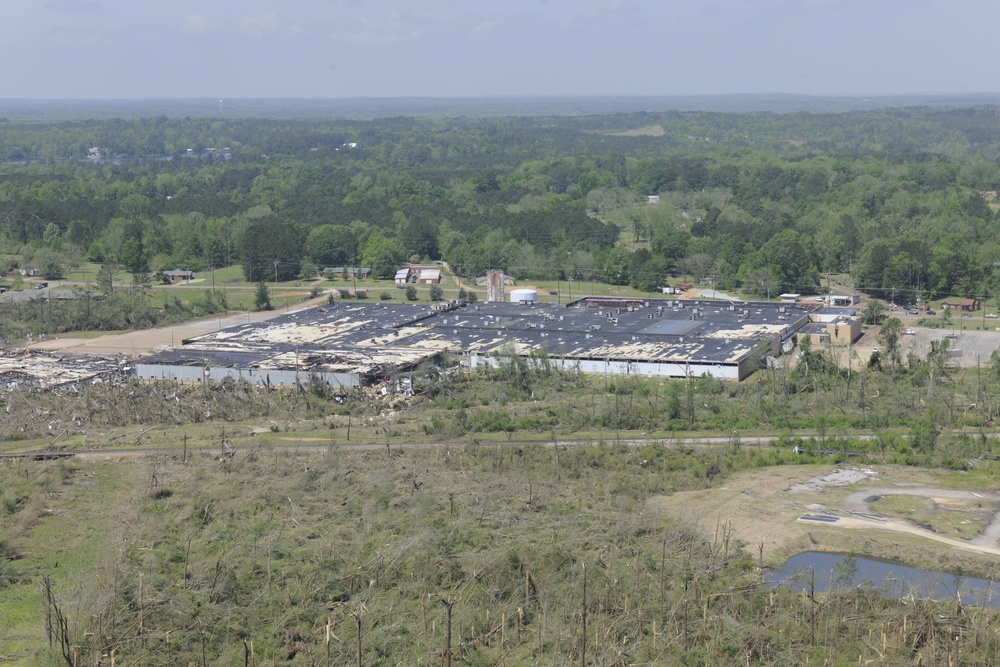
<point x="141" y="49"/>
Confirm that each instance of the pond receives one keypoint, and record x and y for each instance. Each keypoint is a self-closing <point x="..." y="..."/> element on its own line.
<point x="843" y="571"/>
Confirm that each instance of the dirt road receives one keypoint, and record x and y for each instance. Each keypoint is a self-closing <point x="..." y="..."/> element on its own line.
<point x="986" y="541"/>
<point x="137" y="343"/>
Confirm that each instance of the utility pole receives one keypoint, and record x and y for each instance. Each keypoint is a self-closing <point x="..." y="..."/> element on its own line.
<point x="276" y="272"/>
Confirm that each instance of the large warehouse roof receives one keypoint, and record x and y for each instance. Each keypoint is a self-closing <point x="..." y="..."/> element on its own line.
<point x="366" y="340"/>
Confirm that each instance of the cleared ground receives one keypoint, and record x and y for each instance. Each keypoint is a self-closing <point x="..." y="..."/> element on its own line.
<point x="148" y="340"/>
<point x="765" y="508"/>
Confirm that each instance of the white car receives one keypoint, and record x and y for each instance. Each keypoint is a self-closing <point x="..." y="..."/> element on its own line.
<point x="910" y="332"/>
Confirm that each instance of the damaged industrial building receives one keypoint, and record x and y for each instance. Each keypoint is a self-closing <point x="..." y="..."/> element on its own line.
<point x="352" y="344"/>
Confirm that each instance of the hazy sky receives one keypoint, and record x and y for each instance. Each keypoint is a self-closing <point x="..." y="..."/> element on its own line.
<point x="462" y="48"/>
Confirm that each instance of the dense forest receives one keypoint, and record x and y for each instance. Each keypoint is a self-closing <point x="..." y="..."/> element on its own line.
<point x="903" y="200"/>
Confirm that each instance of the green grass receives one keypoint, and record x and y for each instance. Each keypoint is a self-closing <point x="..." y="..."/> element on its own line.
<point x="950" y="521"/>
<point x="901" y="505"/>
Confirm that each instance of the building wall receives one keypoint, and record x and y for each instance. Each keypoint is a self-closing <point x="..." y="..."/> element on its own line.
<point x="843" y="333"/>
<point x="640" y="368"/>
<point x="287" y="378"/>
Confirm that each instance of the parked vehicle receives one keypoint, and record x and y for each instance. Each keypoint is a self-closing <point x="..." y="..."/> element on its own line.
<point x="910" y="332"/>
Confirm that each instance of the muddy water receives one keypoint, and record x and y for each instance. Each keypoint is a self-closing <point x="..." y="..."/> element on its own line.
<point x="840" y="571"/>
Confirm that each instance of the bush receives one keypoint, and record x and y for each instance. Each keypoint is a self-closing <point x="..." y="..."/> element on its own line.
<point x="385" y="296"/>
<point x="361" y="294"/>
<point x="411" y="293"/>
<point x="436" y="293"/>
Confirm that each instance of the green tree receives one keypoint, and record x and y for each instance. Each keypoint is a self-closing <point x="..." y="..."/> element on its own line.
<point x="105" y="278"/>
<point x="307" y="270"/>
<point x="134" y="206"/>
<point x="262" y="298"/>
<point x="332" y="245"/>
<point x="889" y="336"/>
<point x="436" y="293"/>
<point x="271" y="250"/>
<point x="760" y="281"/>
<point x="618" y="266"/>
<point x="874" y="312"/>
<point x="411" y="293"/>
<point x="51" y="264"/>
<point x="383" y="255"/>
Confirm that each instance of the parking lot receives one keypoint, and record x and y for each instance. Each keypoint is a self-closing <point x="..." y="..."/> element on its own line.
<point x="975" y="346"/>
<point x="970" y="346"/>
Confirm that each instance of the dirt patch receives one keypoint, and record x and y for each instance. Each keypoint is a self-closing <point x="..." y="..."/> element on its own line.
<point x="766" y="506"/>
<point x="842" y="477"/>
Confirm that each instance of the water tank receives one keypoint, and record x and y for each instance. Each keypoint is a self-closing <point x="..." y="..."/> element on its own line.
<point x="522" y="295"/>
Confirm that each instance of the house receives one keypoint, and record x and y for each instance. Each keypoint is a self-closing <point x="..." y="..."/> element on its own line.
<point x="507" y="280"/>
<point x="652" y="199"/>
<point x="348" y="271"/>
<point x="402" y="276"/>
<point x="966" y="305"/>
<point x="178" y="274"/>
<point x="429" y="277"/>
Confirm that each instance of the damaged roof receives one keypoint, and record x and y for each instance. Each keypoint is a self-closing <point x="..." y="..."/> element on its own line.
<point x="363" y="338"/>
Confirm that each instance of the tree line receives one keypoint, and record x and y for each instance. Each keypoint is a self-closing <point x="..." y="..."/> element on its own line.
<point x="903" y="200"/>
